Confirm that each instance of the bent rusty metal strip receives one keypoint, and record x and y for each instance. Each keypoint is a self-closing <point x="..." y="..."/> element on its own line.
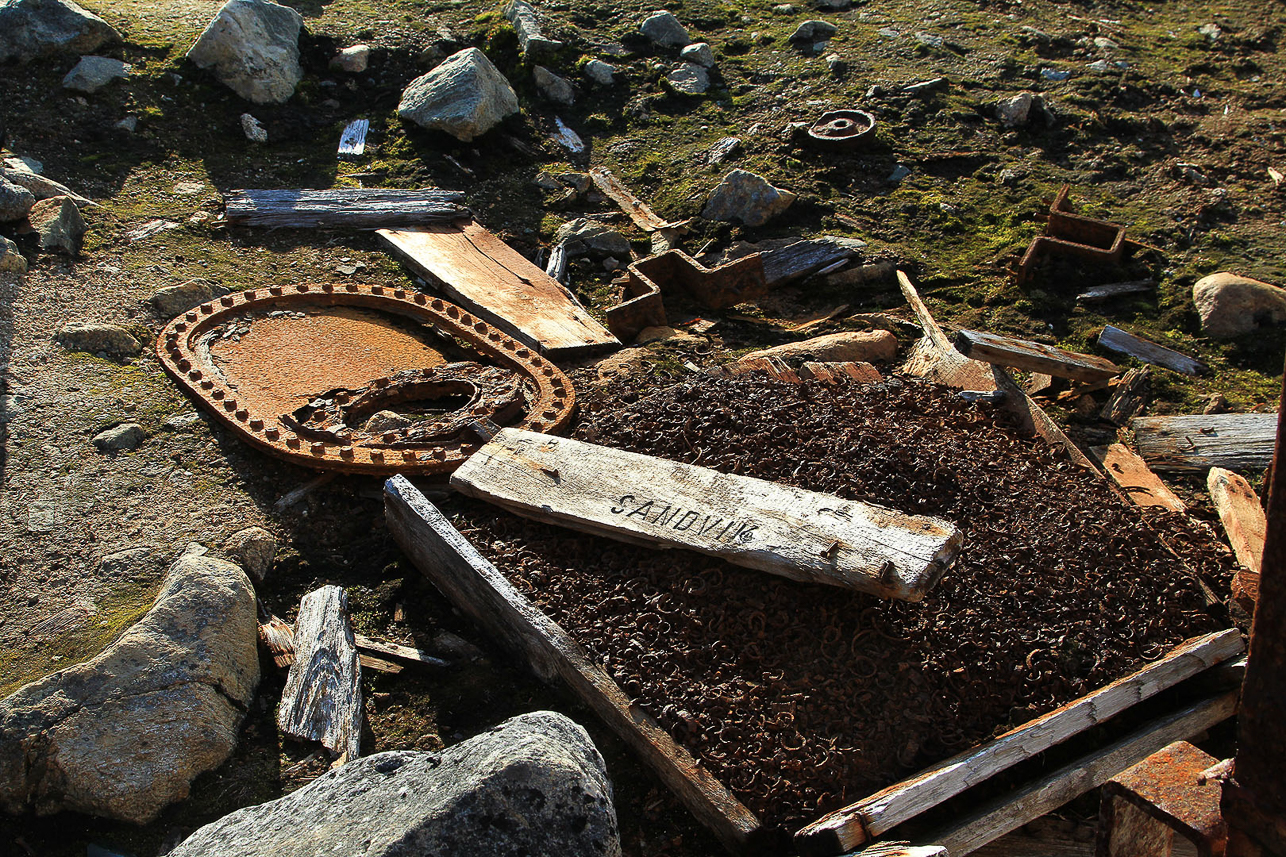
<point x="549" y="411"/>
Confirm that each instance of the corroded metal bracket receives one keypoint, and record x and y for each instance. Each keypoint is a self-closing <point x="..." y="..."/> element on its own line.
<point x="675" y="271"/>
<point x="1074" y="235"/>
<point x="1165" y="795"/>
<point x="318" y="436"/>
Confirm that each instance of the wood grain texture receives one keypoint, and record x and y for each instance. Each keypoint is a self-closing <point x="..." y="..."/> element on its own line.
<point x="637" y="210"/>
<point x="801" y="259"/>
<point x="481" y="591"/>
<point x="322" y="700"/>
<point x="1033" y="356"/>
<point x="1130" y="396"/>
<point x="402" y="653"/>
<point x="355" y="208"/>
<point x="1017" y="808"/>
<point x="776" y="528"/>
<point x="1189" y="444"/>
<point x="488" y="277"/>
<point x="1115" y="339"/>
<point x="847" y="828"/>
<point x="1241" y="514"/>
<point x="1132" y="475"/>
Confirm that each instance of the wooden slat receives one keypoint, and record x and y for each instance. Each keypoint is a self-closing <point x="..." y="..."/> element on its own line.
<point x="1130" y="396"/>
<point x="393" y="650"/>
<point x="801" y="259"/>
<point x="1033" y="356"/>
<point x="322" y="699"/>
<point x="1067" y="783"/>
<point x="1132" y="476"/>
<point x="1241" y="514"/>
<point x="847" y="828"/>
<point x="1191" y="444"/>
<point x="355" y="208"/>
<point x="476" y="587"/>
<point x="802" y="535"/>
<point x="487" y="276"/>
<point x="638" y="210"/>
<point x="370" y="662"/>
<point x="1113" y="290"/>
<point x="1115" y="339"/>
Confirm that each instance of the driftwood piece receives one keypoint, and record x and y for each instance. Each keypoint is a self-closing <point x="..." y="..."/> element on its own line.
<point x="402" y="653"/>
<point x="354" y="208"/>
<point x="1130" y="396"/>
<point x="1115" y="339"/>
<point x="801" y="259"/>
<point x="370" y="662"/>
<point x="322" y="700"/>
<point x="1191" y="444"/>
<point x="1135" y="479"/>
<point x="837" y="372"/>
<point x="352" y="143"/>
<point x="476" y="587"/>
<point x="1241" y="514"/>
<point x="1114" y="290"/>
<point x="847" y="828"/>
<point x="780" y="529"/>
<point x="1023" y="805"/>
<point x="642" y="215"/>
<point x="279" y="639"/>
<point x="1033" y="356"/>
<point x="488" y="277"/>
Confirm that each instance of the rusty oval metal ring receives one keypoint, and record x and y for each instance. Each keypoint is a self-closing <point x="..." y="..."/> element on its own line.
<point x="550" y="410"/>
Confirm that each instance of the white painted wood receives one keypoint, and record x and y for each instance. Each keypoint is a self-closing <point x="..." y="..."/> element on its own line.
<point x="776" y="528"/>
<point x="322" y="700"/>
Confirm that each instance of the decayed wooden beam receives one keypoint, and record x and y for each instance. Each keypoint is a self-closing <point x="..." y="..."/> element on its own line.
<point x="776" y="528"/>
<point x="1033" y="356"/>
<point x="1132" y="476"/>
<point x="488" y="277"/>
<point x="847" y="828"/>
<point x="1030" y="802"/>
<point x="835" y="372"/>
<point x="355" y="208"/>
<point x="1112" y="290"/>
<point x="279" y="639"/>
<point x="476" y="587"/>
<point x="642" y="215"/>
<point x="1129" y="397"/>
<point x="802" y="259"/>
<point x="1189" y="444"/>
<point x="1241" y="514"/>
<point x="322" y="700"/>
<point x="774" y="367"/>
<point x="402" y="653"/>
<point x="1115" y="339"/>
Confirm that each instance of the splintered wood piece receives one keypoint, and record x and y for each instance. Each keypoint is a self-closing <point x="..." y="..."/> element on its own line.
<point x="490" y="278"/>
<point x="475" y="586"/>
<point x="847" y="828"/>
<point x="1132" y="475"/>
<point x="643" y="216"/>
<point x="1033" y="356"/>
<point x="356" y="208"/>
<point x="774" y="367"/>
<point x="1190" y="444"/>
<point x="1242" y="516"/>
<point x="776" y="528"/>
<point x="393" y="650"/>
<point x="279" y="639"/>
<point x="322" y="700"/>
<point x="1112" y="290"/>
<point x="1129" y="397"/>
<point x="370" y="662"/>
<point x="1115" y="339"/>
<point x="834" y="373"/>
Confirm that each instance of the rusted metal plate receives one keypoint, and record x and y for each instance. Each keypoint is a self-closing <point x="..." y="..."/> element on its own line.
<point x="1073" y="235"/>
<point x="673" y="272"/>
<point x="1169" y="788"/>
<point x="841" y="129"/>
<point x="299" y="370"/>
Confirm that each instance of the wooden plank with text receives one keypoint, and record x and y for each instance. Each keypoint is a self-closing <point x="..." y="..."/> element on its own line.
<point x="776" y="528"/>
<point x="1033" y="356"/>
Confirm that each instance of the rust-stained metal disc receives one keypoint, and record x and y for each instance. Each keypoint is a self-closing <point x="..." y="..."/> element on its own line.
<point x="297" y="369"/>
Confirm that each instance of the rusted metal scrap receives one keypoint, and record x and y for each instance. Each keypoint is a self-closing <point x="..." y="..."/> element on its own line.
<point x="841" y="129"/>
<point x="1074" y="235"/>
<point x="298" y="371"/>
<point x="675" y="271"/>
<point x="1166" y="794"/>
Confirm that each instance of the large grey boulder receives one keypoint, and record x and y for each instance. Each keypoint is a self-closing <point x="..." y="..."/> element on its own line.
<point x="746" y="197"/>
<point x="465" y="96"/>
<point x="110" y="339"/>
<point x="534" y="786"/>
<point x="665" y="30"/>
<point x="253" y="47"/>
<point x="123" y="734"/>
<point x="93" y="73"/>
<point x="1230" y="305"/>
<point x="15" y="201"/>
<point x="41" y="28"/>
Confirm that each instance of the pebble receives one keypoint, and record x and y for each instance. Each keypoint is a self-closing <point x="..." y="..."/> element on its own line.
<point x="602" y="73"/>
<point x="699" y="53"/>
<point x="121" y="437"/>
<point x="253" y="129"/>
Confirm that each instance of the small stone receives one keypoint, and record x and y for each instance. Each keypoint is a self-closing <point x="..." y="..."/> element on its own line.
<point x="1211" y="31"/>
<point x="15" y="201"/>
<point x="665" y="30"/>
<point x="1054" y="74"/>
<point x="1013" y="112"/>
<point x="748" y="198"/>
<point x="887" y="33"/>
<point x="723" y="150"/>
<point x="930" y="40"/>
<point x="174" y="300"/>
<point x="178" y="422"/>
<point x="59" y="223"/>
<point x="1216" y="403"/>
<point x="465" y="96"/>
<point x="832" y="5"/>
<point x="253" y="47"/>
<point x="382" y="421"/>
<point x="784" y="9"/>
<point x="900" y="172"/>
<point x="1106" y="44"/>
<point x="353" y="60"/>
<point x="121" y="437"/>
<point x="93" y="73"/>
<point x="926" y="87"/>
<point x="578" y="182"/>
<point x="11" y="261"/>
<point x="129" y="124"/>
<point x="254" y="548"/>
<point x="836" y="65"/>
<point x="553" y="87"/>
<point x="689" y="79"/>
<point x="699" y="54"/>
<point x="585" y="236"/>
<point x="1231" y="305"/>
<point x="602" y="73"/>
<point x="253" y="129"/>
<point x="110" y="339"/>
<point x="813" y="31"/>
<point x="1009" y="176"/>
<point x="45" y="28"/>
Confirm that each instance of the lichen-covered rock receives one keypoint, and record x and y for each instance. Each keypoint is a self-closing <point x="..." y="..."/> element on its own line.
<point x="748" y="198"/>
<point x="15" y="201"/>
<point x="665" y="30"/>
<point x="41" y="28"/>
<point x="254" y="548"/>
<point x="59" y="223"/>
<point x="535" y="785"/>
<point x="11" y="261"/>
<point x="93" y="73"/>
<point x="173" y="300"/>
<point x="121" y="437"/>
<point x="553" y="87"/>
<point x="465" y="96"/>
<point x="689" y="79"/>
<point x="123" y="734"/>
<point x="109" y="339"/>
<point x="1230" y="305"/>
<point x="253" y="47"/>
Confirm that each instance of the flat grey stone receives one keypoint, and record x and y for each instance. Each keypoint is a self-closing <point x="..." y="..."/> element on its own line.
<point x="813" y="31"/>
<point x="689" y="79"/>
<point x="43" y="28"/>
<point x="527" y="26"/>
<point x="121" y="437"/>
<point x="93" y="73"/>
<point x="111" y="339"/>
<point x="175" y="300"/>
<point x="585" y="236"/>
<point x="465" y="96"/>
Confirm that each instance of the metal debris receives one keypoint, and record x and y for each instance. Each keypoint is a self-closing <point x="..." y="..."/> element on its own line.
<point x="1073" y="235"/>
<point x="676" y="272"/>
<point x="841" y="129"/>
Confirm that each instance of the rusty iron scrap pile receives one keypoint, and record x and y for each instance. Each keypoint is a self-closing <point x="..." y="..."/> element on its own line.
<point x="804" y="698"/>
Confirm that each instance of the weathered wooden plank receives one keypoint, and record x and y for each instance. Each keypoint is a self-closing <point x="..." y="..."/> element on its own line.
<point x="847" y="828"/>
<point x="352" y="143"/>
<point x="356" y="208"/>
<point x="322" y="700"/>
<point x="1241" y="514"/>
<point x="370" y="662"/>
<point x="774" y="367"/>
<point x="776" y="528"/>
<point x="480" y="590"/>
<point x="488" y="277"/>
<point x="1113" y="290"/>
<point x="835" y="372"/>
<point x="393" y="650"/>
<point x="1132" y="475"/>
<point x="1130" y="396"/>
<point x="801" y="259"/>
<point x="1190" y="444"/>
<point x="279" y="639"/>
<point x="638" y="210"/>
<point x="1019" y="807"/>
<point x="1115" y="339"/>
<point x="1033" y="356"/>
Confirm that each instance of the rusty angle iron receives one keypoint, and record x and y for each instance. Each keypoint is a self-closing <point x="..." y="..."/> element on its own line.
<point x="1073" y="235"/>
<point x="674" y="271"/>
<point x="1169" y="796"/>
<point x="353" y="350"/>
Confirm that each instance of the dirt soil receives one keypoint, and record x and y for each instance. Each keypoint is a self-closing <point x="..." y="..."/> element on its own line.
<point x="1175" y="140"/>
